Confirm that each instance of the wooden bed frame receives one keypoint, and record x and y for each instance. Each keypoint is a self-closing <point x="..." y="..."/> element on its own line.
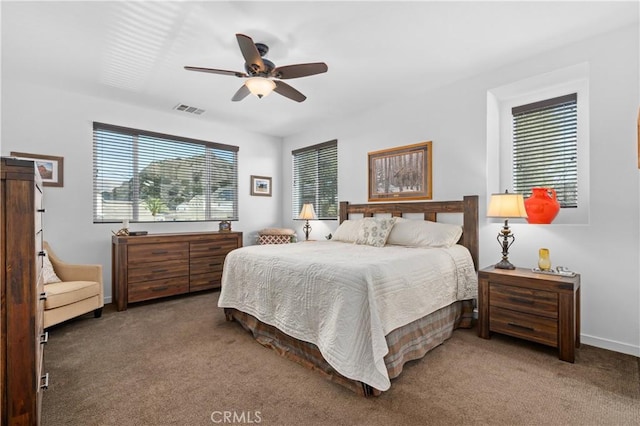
<point x="429" y="209"/>
<point x="438" y="326"/>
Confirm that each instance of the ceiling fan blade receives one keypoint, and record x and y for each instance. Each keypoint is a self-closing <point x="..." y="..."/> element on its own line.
<point x="242" y="93"/>
<point x="299" y="70"/>
<point x="214" y="71"/>
<point x="250" y="52"/>
<point x="289" y="92"/>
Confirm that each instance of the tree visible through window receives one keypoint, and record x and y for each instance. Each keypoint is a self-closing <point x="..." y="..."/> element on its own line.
<point x="146" y="177"/>
<point x="545" y="148"/>
<point x="315" y="179"/>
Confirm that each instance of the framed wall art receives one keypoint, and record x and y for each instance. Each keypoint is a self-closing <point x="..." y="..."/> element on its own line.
<point x="402" y="173"/>
<point x="51" y="168"/>
<point x="261" y="185"/>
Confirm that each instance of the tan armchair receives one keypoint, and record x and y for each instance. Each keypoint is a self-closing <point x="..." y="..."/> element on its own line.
<point x="81" y="291"/>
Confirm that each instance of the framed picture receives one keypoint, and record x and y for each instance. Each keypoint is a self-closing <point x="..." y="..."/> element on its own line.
<point x="224" y="226"/>
<point x="261" y="185"/>
<point x="402" y="173"/>
<point x="51" y="168"/>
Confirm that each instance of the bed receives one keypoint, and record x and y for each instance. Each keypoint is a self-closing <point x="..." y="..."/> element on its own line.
<point x="385" y="290"/>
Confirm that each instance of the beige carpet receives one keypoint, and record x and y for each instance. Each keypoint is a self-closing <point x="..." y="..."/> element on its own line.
<point x="178" y="362"/>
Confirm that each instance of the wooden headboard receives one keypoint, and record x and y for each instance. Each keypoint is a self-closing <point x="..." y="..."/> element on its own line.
<point x="468" y="206"/>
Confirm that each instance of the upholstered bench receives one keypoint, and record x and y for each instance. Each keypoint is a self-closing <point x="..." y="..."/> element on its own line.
<point x="276" y="236"/>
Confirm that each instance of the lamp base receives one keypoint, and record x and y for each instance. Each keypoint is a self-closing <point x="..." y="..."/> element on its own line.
<point x="504" y="264"/>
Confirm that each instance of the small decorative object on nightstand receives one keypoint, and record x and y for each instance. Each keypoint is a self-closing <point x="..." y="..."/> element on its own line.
<point x="225" y="226"/>
<point x="506" y="206"/>
<point x="544" y="261"/>
<point x="543" y="308"/>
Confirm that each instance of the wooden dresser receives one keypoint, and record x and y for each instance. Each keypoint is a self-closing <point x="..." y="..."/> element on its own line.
<point x="152" y="266"/>
<point x="22" y="377"/>
<point x="542" y="308"/>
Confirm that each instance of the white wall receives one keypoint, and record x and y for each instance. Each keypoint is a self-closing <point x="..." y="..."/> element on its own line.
<point x="42" y="120"/>
<point x="605" y="251"/>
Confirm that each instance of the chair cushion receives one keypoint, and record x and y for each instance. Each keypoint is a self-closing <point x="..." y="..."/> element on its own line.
<point x="66" y="293"/>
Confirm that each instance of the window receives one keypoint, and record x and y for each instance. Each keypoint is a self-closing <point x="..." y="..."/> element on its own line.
<point x="315" y="179"/>
<point x="545" y="148"/>
<point x="541" y="91"/>
<point x="147" y="177"/>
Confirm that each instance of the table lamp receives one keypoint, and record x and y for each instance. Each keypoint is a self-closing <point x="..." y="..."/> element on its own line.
<point x="307" y="213"/>
<point x="506" y="206"/>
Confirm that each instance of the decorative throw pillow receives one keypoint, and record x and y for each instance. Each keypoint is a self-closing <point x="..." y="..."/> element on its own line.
<point x="48" y="274"/>
<point x="347" y="231"/>
<point x="424" y="233"/>
<point x="375" y="231"/>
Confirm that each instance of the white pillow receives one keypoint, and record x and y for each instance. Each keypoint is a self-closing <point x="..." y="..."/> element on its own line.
<point x="424" y="233"/>
<point x="375" y="231"/>
<point x="48" y="274"/>
<point x="347" y="231"/>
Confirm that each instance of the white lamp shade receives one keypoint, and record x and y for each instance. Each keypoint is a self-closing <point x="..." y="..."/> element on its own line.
<point x="307" y="212"/>
<point x="260" y="86"/>
<point x="506" y="206"/>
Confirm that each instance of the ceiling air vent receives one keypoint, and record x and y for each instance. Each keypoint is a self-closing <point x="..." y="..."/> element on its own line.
<point x="189" y="109"/>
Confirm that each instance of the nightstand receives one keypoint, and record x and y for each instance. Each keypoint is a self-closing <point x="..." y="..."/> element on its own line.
<point x="538" y="307"/>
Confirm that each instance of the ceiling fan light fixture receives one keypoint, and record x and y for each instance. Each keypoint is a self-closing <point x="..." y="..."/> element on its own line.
<point x="260" y="86"/>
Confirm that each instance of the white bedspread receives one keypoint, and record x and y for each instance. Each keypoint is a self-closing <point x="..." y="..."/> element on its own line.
<point x="345" y="298"/>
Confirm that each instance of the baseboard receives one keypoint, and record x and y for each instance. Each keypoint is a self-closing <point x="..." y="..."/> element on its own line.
<point x="107" y="300"/>
<point x="611" y="345"/>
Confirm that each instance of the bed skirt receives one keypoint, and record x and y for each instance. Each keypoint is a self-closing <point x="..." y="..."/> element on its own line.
<point x="405" y="344"/>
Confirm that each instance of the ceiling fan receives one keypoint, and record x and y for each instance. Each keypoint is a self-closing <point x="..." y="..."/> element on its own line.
<point x="262" y="75"/>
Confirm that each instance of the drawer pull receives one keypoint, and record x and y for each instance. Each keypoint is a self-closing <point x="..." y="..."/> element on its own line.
<point x="45" y="385"/>
<point x="523" y="327"/>
<point x="42" y="253"/>
<point x="160" y="288"/>
<point x="158" y="271"/>
<point x="521" y="300"/>
<point x="215" y="248"/>
<point x="43" y="295"/>
<point x="44" y="338"/>
<point x="159" y="252"/>
<point x="41" y="210"/>
<point x="215" y="264"/>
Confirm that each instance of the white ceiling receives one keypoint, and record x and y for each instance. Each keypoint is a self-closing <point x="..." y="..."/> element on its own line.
<point x="377" y="52"/>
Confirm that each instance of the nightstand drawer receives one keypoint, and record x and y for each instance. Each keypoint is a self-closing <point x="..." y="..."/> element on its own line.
<point x="531" y="327"/>
<point x="537" y="302"/>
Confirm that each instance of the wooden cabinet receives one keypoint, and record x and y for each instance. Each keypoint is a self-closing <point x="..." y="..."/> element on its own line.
<point x="153" y="266"/>
<point x="22" y="377"/>
<point x="538" y="307"/>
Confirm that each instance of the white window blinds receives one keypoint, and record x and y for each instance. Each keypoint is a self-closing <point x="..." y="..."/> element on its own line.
<point x="149" y="177"/>
<point x="315" y="179"/>
<point x="545" y="148"/>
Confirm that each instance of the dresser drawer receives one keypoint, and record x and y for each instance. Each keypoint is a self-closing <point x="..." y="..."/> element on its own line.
<point x="537" y="302"/>
<point x="157" y="270"/>
<point x="205" y="265"/>
<point x="219" y="246"/>
<point x="142" y="253"/>
<point x="147" y="290"/>
<point x="531" y="327"/>
<point x="206" y="281"/>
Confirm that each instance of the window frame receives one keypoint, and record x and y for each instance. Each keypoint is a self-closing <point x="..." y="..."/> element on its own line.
<point x="296" y="199"/>
<point x="151" y="136"/>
